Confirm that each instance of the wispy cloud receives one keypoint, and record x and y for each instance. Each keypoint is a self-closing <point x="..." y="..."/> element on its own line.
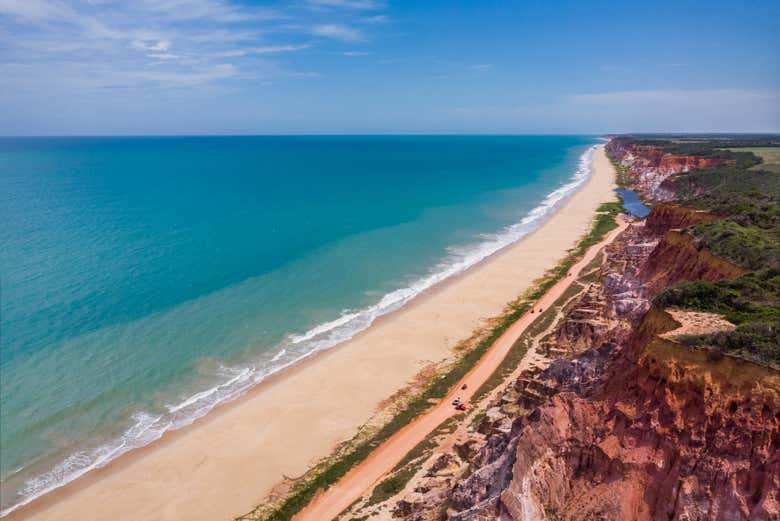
<point x="64" y="55"/>
<point x="38" y="12"/>
<point x="376" y="19"/>
<point x="35" y="10"/>
<point x="211" y="10"/>
<point x="268" y="49"/>
<point x="160" y="45"/>
<point x="163" y="56"/>
<point x="338" y="32"/>
<point x="178" y="38"/>
<point x="363" y="5"/>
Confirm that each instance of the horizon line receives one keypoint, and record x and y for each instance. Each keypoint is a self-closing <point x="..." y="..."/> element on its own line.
<point x="396" y="134"/>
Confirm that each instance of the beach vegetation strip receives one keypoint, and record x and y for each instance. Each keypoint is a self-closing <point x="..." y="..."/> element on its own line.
<point x="352" y="452"/>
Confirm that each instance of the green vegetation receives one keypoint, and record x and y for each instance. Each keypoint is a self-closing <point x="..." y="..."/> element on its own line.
<point x="757" y="341"/>
<point x="749" y="298"/>
<point x="411" y="463"/>
<point x="770" y="158"/>
<point x="623" y="178"/>
<point x="749" y="246"/>
<point x="391" y="486"/>
<point x="331" y="471"/>
<point x="708" y="142"/>
<point x="448" y="426"/>
<point x="752" y="302"/>
<point x="746" y="196"/>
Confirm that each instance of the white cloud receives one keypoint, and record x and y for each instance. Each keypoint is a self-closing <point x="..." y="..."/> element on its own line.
<point x="338" y="32"/>
<point x="189" y="78"/>
<point x="34" y="10"/>
<point x="160" y="45"/>
<point x="39" y="12"/>
<point x="163" y="56"/>
<point x="268" y="49"/>
<point x="378" y="19"/>
<point x="481" y="67"/>
<point x="87" y="53"/>
<point x="212" y="10"/>
<point x="356" y="53"/>
<point x="348" y="4"/>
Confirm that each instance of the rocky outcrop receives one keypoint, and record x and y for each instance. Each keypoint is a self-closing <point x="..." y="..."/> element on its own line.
<point x="677" y="257"/>
<point x="669" y="434"/>
<point x="649" y="166"/>
<point x="664" y="217"/>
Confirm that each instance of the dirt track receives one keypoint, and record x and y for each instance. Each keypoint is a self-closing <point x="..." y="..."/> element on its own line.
<point x="357" y="481"/>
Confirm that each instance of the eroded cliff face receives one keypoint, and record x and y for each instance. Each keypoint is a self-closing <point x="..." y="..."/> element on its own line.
<point x="623" y="423"/>
<point x="677" y="257"/>
<point x="666" y="216"/>
<point x="649" y="166"/>
<point x="665" y="434"/>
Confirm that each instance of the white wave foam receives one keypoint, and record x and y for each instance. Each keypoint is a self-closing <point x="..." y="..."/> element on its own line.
<point x="148" y="428"/>
<point x="279" y="355"/>
<point x="323" y="328"/>
<point x="243" y="374"/>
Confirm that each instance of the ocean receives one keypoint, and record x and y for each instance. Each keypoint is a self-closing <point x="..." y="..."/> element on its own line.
<point x="144" y="281"/>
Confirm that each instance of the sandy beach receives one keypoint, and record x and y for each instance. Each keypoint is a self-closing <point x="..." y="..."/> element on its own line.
<point x="225" y="464"/>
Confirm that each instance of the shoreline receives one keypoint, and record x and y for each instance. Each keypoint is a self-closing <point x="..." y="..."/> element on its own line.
<point x="336" y="390"/>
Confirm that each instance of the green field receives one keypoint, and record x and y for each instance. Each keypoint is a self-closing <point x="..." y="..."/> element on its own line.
<point x="770" y="157"/>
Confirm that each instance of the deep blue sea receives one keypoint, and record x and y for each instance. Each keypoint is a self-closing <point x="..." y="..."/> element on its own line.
<point x="144" y="280"/>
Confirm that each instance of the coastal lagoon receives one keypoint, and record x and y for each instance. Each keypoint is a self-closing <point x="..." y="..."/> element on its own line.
<point x="632" y="204"/>
<point x="146" y="280"/>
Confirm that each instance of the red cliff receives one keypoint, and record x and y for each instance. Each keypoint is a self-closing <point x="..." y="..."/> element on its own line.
<point x="677" y="258"/>
<point x="649" y="166"/>
<point x="664" y="217"/>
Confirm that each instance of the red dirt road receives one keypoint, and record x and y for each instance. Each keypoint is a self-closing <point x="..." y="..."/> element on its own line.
<point x="384" y="458"/>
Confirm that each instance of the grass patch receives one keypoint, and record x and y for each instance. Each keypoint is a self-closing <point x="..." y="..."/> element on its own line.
<point x="751" y="297"/>
<point x="770" y="158"/>
<point x="751" y="301"/>
<point x="391" y="486"/>
<point x="448" y="426"/>
<point x="335" y="469"/>
<point x="756" y="341"/>
<point x="593" y="265"/>
<point x="623" y="178"/>
<point x="411" y="463"/>
<point x="748" y="246"/>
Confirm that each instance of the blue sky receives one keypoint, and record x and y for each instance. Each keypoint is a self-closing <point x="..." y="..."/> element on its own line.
<point x="385" y="66"/>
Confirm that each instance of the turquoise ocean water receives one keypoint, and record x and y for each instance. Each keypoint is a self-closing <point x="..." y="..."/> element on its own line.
<point x="145" y="280"/>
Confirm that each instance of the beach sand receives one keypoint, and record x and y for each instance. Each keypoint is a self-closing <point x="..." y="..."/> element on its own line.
<point x="226" y="463"/>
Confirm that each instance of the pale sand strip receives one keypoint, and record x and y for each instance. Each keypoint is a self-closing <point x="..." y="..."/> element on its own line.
<point x="225" y="464"/>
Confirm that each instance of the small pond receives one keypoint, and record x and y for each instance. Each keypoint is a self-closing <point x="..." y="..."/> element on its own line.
<point x="632" y="204"/>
